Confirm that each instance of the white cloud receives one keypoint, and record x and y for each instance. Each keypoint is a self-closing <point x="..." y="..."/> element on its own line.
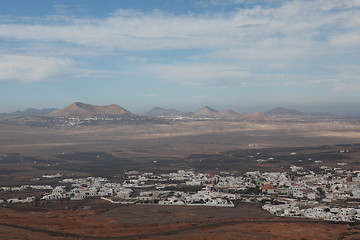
<point x="350" y="40"/>
<point x="197" y="74"/>
<point x="130" y="30"/>
<point x="32" y="68"/>
<point x="269" y="38"/>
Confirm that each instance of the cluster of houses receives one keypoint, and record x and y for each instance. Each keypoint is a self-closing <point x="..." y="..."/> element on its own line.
<point x="22" y="188"/>
<point x="78" y="122"/>
<point x="145" y="188"/>
<point x="26" y="187"/>
<point x="300" y="209"/>
<point x="331" y="194"/>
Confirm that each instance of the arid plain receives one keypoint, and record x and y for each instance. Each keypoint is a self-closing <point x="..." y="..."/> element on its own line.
<point x="176" y="138"/>
<point x="110" y="149"/>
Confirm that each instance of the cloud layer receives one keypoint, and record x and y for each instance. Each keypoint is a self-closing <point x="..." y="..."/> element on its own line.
<point x="303" y="40"/>
<point x="332" y="22"/>
<point x="29" y="69"/>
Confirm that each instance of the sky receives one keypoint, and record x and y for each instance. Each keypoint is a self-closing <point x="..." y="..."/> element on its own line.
<point x="244" y="55"/>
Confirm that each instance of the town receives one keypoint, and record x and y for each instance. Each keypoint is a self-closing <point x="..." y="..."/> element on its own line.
<point x="332" y="194"/>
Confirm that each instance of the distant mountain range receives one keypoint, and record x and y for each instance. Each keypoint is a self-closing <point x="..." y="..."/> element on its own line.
<point x="83" y="110"/>
<point x="208" y="112"/>
<point x="289" y="112"/>
<point x="254" y="117"/>
<point x="227" y="113"/>
<point x="28" y="112"/>
<point x="157" y="111"/>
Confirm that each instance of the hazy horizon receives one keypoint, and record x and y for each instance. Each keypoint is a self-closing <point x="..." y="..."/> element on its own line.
<point x="230" y="54"/>
<point x="245" y="109"/>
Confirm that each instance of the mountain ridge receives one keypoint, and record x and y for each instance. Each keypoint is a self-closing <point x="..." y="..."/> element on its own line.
<point x="158" y="111"/>
<point x="28" y="112"/>
<point x="79" y="109"/>
<point x="280" y="111"/>
<point x="254" y="117"/>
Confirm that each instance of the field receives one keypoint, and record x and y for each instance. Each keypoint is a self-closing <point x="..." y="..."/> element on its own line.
<point x="106" y="221"/>
<point x="27" y="153"/>
<point x="109" y="150"/>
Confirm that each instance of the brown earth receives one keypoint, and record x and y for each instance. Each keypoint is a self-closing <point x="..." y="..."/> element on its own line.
<point x="104" y="221"/>
<point x="26" y="153"/>
<point x="175" y="139"/>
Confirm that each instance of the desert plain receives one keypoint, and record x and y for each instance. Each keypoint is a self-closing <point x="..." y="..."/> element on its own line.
<point x="108" y="150"/>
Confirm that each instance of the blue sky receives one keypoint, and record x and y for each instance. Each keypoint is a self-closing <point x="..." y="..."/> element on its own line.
<point x="229" y="54"/>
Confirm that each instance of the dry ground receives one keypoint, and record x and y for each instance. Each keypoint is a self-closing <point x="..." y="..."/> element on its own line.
<point x="141" y="144"/>
<point x="176" y="139"/>
<point x="246" y="221"/>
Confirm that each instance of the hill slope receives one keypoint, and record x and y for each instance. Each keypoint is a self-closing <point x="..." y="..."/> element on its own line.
<point x="206" y="112"/>
<point x="157" y="111"/>
<point x="78" y="109"/>
<point x="293" y="113"/>
<point x="227" y="114"/>
<point x="254" y="117"/>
